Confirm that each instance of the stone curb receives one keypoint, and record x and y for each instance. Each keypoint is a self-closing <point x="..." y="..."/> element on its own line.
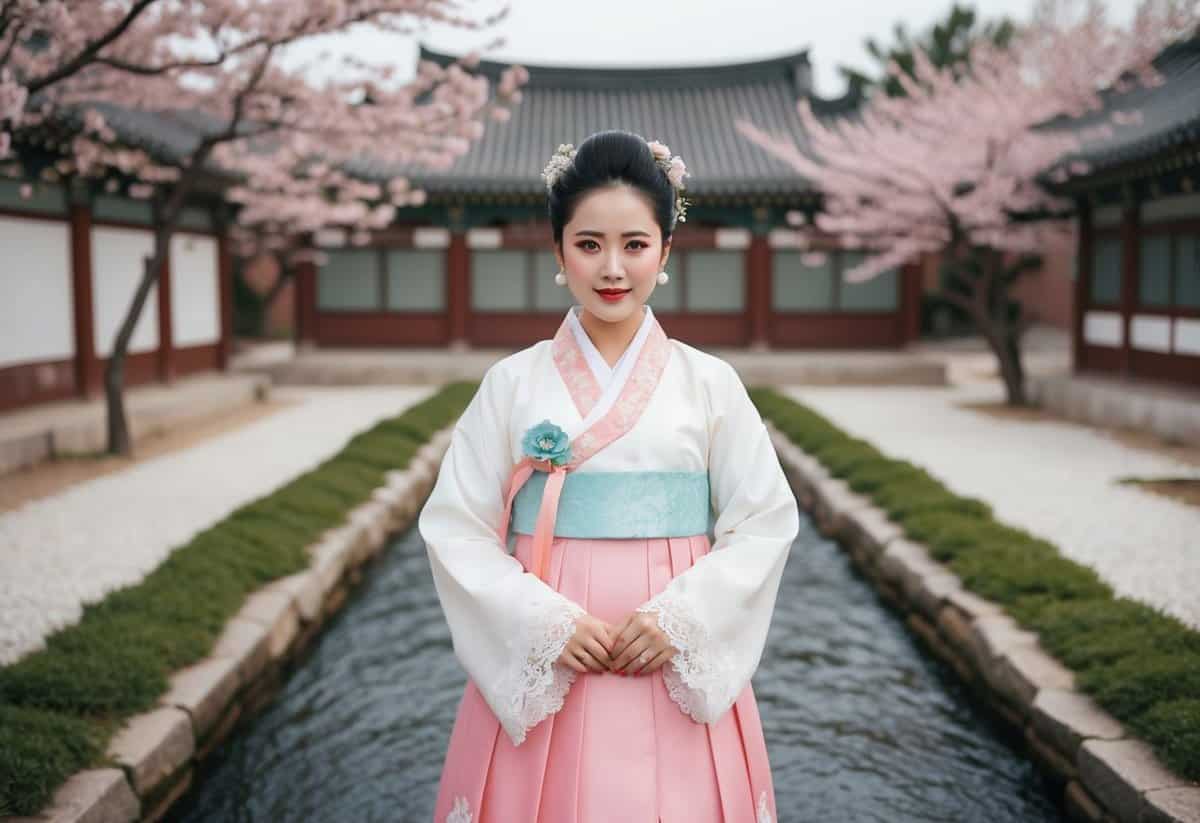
<point x="157" y="751"/>
<point x="1106" y="774"/>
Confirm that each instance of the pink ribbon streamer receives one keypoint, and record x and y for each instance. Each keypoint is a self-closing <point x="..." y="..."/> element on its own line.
<point x="543" y="531"/>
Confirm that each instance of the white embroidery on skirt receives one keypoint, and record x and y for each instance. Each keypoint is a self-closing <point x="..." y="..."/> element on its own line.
<point x="764" y="813"/>
<point x="461" y="813"/>
<point x="699" y="676"/>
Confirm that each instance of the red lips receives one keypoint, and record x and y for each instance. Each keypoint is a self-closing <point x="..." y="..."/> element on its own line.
<point x="612" y="295"/>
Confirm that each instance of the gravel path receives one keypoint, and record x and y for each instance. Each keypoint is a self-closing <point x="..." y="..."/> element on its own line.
<point x="1055" y="479"/>
<point x="72" y="548"/>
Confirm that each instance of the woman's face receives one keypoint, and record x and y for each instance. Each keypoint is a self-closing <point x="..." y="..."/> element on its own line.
<point x="612" y="252"/>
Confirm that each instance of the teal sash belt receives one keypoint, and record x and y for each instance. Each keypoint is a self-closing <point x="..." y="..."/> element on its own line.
<point x="620" y="504"/>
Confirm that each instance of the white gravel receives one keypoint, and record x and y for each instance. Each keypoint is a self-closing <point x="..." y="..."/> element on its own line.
<point x="1055" y="479"/>
<point x="61" y="552"/>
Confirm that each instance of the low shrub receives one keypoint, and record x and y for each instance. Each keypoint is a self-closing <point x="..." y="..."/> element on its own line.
<point x="55" y="703"/>
<point x="1140" y="664"/>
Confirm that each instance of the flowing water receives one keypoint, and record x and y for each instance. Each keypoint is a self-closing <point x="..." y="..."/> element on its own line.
<point x="861" y="724"/>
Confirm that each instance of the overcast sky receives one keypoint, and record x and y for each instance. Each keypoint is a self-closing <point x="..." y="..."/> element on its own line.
<point x="683" y="32"/>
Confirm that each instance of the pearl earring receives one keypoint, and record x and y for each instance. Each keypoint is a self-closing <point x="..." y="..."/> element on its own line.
<point x="663" y="277"/>
<point x="560" y="279"/>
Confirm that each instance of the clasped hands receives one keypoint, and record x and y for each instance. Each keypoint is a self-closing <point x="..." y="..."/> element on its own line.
<point x="635" y="646"/>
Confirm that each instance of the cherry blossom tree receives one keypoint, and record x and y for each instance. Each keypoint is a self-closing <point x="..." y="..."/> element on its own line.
<point x="954" y="166"/>
<point x="289" y="145"/>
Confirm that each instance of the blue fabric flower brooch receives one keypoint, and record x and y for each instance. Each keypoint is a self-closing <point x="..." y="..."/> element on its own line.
<point x="546" y="441"/>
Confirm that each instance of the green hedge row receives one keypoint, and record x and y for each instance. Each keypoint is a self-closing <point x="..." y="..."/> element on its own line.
<point x="1140" y="664"/>
<point x="60" y="705"/>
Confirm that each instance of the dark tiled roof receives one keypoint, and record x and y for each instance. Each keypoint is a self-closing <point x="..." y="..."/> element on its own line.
<point x="691" y="109"/>
<point x="168" y="135"/>
<point x="1170" y="114"/>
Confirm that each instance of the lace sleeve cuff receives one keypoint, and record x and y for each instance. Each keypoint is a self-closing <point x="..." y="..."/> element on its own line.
<point x="536" y="684"/>
<point x="700" y="677"/>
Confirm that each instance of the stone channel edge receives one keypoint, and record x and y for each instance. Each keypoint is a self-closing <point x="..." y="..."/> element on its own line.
<point x="1108" y="775"/>
<point x="158" y="750"/>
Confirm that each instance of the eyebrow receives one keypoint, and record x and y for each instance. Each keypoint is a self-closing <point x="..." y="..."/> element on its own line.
<point x="593" y="233"/>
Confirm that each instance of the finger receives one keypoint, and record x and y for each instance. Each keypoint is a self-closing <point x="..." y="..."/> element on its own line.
<point x="621" y="637"/>
<point x="611" y="632"/>
<point x="631" y="651"/>
<point x="640" y="660"/>
<point x="595" y="653"/>
<point x="597" y="650"/>
<point x="608" y="636"/>
<point x="588" y="661"/>
<point x="658" y="662"/>
<point x="570" y="661"/>
<point x="630" y="633"/>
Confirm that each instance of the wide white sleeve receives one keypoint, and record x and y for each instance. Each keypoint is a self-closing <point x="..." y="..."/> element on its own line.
<point x="507" y="626"/>
<point x="717" y="612"/>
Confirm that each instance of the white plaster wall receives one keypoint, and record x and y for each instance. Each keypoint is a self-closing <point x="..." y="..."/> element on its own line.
<point x="1102" y="328"/>
<point x="117" y="265"/>
<point x="1150" y="333"/>
<point x="36" y="314"/>
<point x="195" y="293"/>
<point x="1187" y="336"/>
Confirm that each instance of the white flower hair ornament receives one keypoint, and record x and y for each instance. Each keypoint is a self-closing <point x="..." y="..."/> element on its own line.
<point x="673" y="167"/>
<point x="560" y="162"/>
<point x="675" y="170"/>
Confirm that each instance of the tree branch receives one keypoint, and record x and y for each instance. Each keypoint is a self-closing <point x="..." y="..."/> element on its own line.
<point x="90" y="50"/>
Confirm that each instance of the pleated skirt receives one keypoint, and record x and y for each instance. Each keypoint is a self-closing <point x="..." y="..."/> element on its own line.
<point x="620" y="749"/>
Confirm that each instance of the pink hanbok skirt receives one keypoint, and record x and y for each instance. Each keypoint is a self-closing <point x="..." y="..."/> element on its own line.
<point x="620" y="749"/>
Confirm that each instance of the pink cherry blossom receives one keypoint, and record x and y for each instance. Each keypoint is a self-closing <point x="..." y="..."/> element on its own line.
<point x="957" y="158"/>
<point x="676" y="172"/>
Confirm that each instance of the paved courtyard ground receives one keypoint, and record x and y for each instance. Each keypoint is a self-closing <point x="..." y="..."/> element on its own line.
<point x="1054" y="478"/>
<point x="74" y="546"/>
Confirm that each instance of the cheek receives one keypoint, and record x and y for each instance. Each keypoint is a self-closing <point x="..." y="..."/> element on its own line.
<point x="645" y="270"/>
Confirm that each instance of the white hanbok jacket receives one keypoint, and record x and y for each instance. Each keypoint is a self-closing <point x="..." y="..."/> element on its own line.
<point x="664" y="407"/>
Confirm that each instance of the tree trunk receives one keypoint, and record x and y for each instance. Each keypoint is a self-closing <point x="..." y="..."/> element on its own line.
<point x="1002" y="338"/>
<point x="987" y="304"/>
<point x="285" y="277"/>
<point x="114" y="373"/>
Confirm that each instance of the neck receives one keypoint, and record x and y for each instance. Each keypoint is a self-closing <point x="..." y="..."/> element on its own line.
<point x="611" y="339"/>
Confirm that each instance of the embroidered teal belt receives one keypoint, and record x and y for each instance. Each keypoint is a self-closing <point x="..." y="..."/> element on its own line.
<point x="619" y="504"/>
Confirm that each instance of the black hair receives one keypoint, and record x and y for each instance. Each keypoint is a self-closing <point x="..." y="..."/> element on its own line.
<point x="603" y="158"/>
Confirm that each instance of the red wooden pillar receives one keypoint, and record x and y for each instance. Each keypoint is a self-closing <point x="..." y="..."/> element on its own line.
<point x="224" y="298"/>
<point x="87" y="367"/>
<point x="306" y="302"/>
<point x="758" y="291"/>
<point x="1083" y="279"/>
<point x="911" y="285"/>
<point x="458" y="288"/>
<point x="1129" y="267"/>
<point x="165" y="355"/>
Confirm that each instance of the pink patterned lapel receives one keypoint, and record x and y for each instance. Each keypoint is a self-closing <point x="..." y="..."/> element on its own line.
<point x="574" y="370"/>
<point x="634" y="397"/>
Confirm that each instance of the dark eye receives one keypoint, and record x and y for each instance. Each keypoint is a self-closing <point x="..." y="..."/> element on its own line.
<point x="640" y="244"/>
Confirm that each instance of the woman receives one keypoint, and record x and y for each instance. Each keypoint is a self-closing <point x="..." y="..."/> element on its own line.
<point x="609" y="657"/>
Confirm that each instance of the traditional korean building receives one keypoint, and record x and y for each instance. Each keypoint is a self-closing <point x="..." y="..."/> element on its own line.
<point x="474" y="266"/>
<point x="1138" y="286"/>
<point x="71" y="257"/>
<point x="69" y="266"/>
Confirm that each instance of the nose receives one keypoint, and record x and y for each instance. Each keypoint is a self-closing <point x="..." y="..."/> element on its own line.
<point x="613" y="268"/>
